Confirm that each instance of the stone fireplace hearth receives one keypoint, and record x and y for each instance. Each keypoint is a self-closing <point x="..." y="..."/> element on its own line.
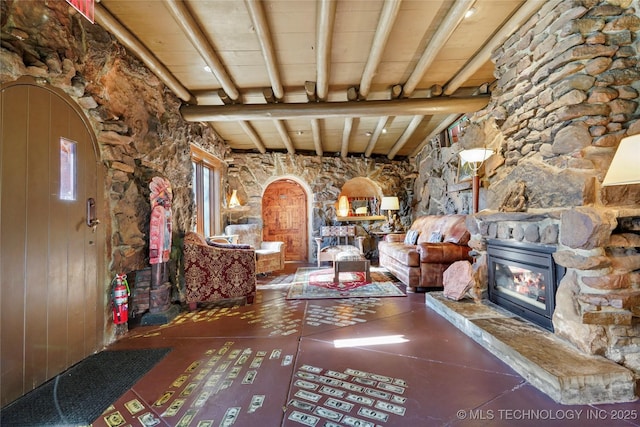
<point x="541" y="357"/>
<point x="598" y="298"/>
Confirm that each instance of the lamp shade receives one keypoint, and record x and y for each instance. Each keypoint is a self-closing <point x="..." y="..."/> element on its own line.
<point x="624" y="168"/>
<point x="343" y="206"/>
<point x="390" y="204"/>
<point x="233" y="201"/>
<point x="475" y="155"/>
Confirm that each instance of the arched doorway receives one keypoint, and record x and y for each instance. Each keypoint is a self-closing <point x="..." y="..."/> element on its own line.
<point x="52" y="297"/>
<point x="284" y="216"/>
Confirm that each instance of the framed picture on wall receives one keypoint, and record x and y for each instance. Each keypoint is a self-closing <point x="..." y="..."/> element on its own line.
<point x="454" y="131"/>
<point x="465" y="171"/>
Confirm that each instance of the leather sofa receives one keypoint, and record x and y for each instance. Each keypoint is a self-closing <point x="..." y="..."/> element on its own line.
<point x="214" y="272"/>
<point x="441" y="241"/>
<point x="269" y="255"/>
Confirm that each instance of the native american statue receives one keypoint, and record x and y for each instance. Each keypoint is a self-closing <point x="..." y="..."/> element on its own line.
<point x="160" y="228"/>
<point x="160" y="244"/>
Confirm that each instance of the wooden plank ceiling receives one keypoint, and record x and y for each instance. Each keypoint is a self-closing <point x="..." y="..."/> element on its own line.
<point x="334" y="78"/>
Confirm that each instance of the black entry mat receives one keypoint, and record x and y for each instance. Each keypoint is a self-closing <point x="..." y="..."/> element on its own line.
<point x="79" y="395"/>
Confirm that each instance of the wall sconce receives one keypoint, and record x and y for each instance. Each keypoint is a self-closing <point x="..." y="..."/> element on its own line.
<point x="475" y="157"/>
<point x="343" y="206"/>
<point x="390" y="204"/>
<point x="233" y="201"/>
<point x="624" y="165"/>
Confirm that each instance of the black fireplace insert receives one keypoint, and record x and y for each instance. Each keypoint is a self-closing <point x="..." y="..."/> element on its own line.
<point x="523" y="278"/>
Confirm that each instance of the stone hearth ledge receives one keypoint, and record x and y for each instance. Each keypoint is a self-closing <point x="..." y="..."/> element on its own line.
<point x="553" y="366"/>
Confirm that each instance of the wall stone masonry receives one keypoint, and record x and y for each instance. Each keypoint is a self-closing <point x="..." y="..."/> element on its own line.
<point x="566" y="92"/>
<point x="323" y="177"/>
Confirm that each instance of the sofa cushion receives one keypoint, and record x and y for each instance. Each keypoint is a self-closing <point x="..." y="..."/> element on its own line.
<point x="435" y="237"/>
<point x="452" y="227"/>
<point x="411" y="238"/>
<point x="405" y="254"/>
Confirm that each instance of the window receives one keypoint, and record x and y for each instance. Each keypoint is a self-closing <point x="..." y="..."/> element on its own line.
<point x="67" y="169"/>
<point x="206" y="189"/>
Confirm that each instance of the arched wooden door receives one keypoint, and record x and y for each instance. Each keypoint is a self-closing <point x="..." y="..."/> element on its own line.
<point x="284" y="216"/>
<point x="52" y="296"/>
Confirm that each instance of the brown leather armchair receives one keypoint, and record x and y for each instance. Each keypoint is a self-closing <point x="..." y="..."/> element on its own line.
<point x="214" y="272"/>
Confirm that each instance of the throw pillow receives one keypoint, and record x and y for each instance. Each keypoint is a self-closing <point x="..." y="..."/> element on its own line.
<point x="227" y="245"/>
<point x="435" y="237"/>
<point x="411" y="238"/>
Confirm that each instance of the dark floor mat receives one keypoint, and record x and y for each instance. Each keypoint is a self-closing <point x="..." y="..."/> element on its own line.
<point x="79" y="395"/>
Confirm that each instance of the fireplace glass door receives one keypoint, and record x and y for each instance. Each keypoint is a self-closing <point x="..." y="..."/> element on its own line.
<point x="523" y="279"/>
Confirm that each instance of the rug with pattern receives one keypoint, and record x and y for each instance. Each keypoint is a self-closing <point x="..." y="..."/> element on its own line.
<point x="313" y="283"/>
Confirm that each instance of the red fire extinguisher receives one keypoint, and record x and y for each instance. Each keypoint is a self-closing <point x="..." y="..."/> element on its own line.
<point x="120" y="299"/>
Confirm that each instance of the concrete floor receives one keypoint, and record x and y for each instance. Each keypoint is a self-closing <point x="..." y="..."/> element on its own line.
<point x="275" y="363"/>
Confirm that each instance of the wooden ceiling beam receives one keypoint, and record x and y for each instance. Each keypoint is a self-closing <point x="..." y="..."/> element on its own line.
<point x="253" y="136"/>
<point x="131" y="42"/>
<point x="317" y="139"/>
<point x="385" y="25"/>
<point x="382" y="122"/>
<point x="310" y="90"/>
<point x="437" y="42"/>
<point x="286" y="139"/>
<point x="504" y="32"/>
<point x="411" y="128"/>
<point x="346" y="135"/>
<point x="324" y="38"/>
<point x="319" y="110"/>
<point x="190" y="27"/>
<point x="256" y="11"/>
<point x="441" y="127"/>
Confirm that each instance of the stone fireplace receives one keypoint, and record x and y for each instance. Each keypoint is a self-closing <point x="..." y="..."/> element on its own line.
<point x="595" y="261"/>
<point x="567" y="91"/>
<point x="523" y="278"/>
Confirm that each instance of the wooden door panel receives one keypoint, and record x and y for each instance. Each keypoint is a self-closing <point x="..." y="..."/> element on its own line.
<point x="37" y="242"/>
<point x="13" y="228"/>
<point x="51" y="298"/>
<point x="58" y="257"/>
<point x="284" y="213"/>
<point x="76" y="227"/>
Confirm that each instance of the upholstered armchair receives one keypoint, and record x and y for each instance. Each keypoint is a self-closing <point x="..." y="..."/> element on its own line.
<point x="336" y="239"/>
<point x="214" y="272"/>
<point x="269" y="255"/>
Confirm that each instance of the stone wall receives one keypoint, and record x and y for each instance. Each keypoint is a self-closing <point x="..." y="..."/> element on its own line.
<point x="136" y="119"/>
<point x="324" y="177"/>
<point x="566" y="94"/>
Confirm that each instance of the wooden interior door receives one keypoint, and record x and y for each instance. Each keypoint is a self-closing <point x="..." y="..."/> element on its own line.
<point x="52" y="298"/>
<point x="284" y="215"/>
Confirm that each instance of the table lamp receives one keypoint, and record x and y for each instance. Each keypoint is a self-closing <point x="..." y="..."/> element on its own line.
<point x="390" y="204"/>
<point x="624" y="165"/>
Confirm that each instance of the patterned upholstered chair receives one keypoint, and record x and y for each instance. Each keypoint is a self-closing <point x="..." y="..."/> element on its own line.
<point x="269" y="255"/>
<point x="334" y="240"/>
<point x="214" y="272"/>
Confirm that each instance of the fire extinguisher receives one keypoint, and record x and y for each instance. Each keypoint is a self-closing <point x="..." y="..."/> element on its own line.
<point x="120" y="299"/>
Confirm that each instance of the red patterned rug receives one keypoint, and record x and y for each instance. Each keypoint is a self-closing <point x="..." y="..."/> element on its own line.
<point x="313" y="283"/>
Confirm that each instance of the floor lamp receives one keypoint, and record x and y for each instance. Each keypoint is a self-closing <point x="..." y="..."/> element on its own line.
<point x="624" y="165"/>
<point x="475" y="157"/>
